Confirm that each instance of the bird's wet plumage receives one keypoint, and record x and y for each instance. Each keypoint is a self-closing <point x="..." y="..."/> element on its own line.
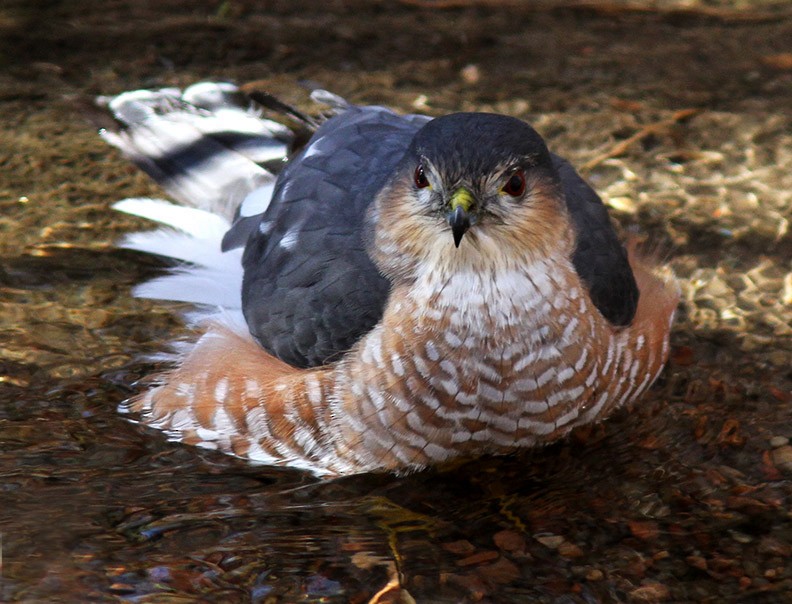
<point x="414" y="291"/>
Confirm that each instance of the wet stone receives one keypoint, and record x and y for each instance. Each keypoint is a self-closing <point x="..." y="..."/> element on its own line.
<point x="740" y="537"/>
<point x="595" y="574"/>
<point x="775" y="547"/>
<point x="122" y="588"/>
<point x="478" y="558"/>
<point x="569" y="550"/>
<point x="644" y="530"/>
<point x="501" y="572"/>
<point x="650" y="592"/>
<point x="782" y="458"/>
<point x="697" y="562"/>
<point x="461" y="547"/>
<point x="550" y="541"/>
<point x="476" y="587"/>
<point x="509" y="541"/>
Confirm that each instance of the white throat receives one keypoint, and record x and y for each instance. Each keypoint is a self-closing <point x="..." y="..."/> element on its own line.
<point x="503" y="297"/>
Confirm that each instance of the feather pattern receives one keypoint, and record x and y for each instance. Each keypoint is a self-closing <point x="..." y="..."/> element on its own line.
<point x="204" y="148"/>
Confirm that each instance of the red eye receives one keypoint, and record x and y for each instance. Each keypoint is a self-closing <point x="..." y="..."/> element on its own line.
<point x="420" y="178"/>
<point x="515" y="186"/>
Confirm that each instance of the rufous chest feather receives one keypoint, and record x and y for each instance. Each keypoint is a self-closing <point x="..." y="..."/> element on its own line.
<point x="505" y="358"/>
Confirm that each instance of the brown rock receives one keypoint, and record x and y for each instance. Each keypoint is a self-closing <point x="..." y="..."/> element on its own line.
<point x="785" y="396"/>
<point x="782" y="60"/>
<point x="636" y="566"/>
<point x="478" y="558"/>
<point x="697" y="562"/>
<point x="748" y="505"/>
<point x="721" y="564"/>
<point x="644" y="529"/>
<point x="473" y="583"/>
<point x="551" y="541"/>
<point x="595" y="574"/>
<point x="782" y="458"/>
<point x="470" y="74"/>
<point x="774" y="547"/>
<point x="683" y="356"/>
<point x="509" y="541"/>
<point x="769" y="469"/>
<point x="569" y="550"/>
<point x="650" y="592"/>
<point x="461" y="547"/>
<point x="500" y="573"/>
<point x="122" y="588"/>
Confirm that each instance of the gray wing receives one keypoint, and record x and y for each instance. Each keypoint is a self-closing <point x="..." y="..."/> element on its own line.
<point x="310" y="290"/>
<point x="599" y="258"/>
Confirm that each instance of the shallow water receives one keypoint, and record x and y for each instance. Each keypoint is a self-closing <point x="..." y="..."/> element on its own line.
<point x="685" y="498"/>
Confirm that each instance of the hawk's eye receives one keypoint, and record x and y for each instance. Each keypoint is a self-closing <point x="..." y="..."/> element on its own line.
<point x="515" y="186"/>
<point x="420" y="178"/>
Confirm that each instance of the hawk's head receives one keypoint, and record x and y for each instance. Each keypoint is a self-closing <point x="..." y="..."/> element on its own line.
<point x="472" y="189"/>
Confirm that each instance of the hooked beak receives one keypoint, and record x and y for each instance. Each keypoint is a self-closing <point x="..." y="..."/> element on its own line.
<point x="462" y="201"/>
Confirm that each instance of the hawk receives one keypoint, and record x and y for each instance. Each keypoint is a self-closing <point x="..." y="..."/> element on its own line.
<point x="395" y="293"/>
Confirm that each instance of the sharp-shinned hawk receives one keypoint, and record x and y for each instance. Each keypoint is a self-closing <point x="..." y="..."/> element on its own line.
<point x="397" y="292"/>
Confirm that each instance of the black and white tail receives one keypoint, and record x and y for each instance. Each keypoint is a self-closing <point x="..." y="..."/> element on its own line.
<point x="217" y="158"/>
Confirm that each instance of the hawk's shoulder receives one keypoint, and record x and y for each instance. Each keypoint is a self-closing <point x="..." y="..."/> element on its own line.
<point x="599" y="258"/>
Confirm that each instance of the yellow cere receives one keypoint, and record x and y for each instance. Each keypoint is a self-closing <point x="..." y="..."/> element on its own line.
<point x="462" y="198"/>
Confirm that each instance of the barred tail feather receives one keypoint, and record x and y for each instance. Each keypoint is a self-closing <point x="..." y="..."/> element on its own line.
<point x="203" y="146"/>
<point x="217" y="158"/>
